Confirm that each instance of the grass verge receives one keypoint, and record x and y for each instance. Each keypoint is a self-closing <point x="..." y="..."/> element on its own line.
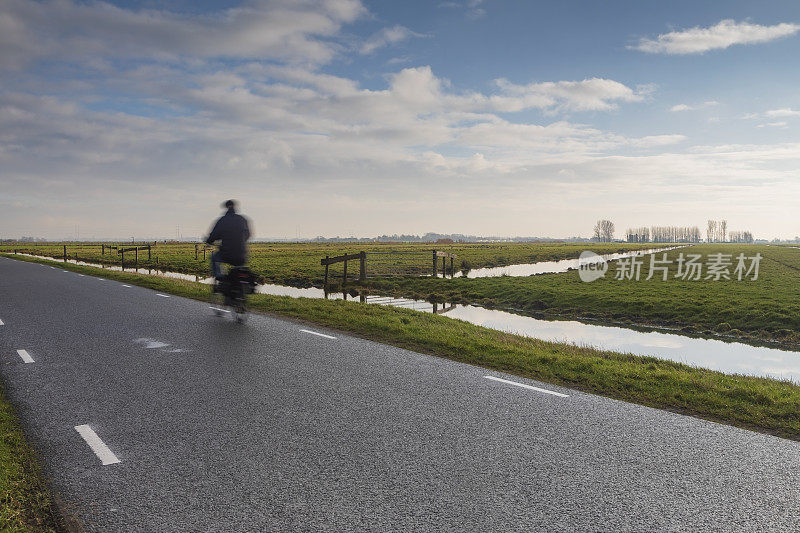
<point x="25" y="502"/>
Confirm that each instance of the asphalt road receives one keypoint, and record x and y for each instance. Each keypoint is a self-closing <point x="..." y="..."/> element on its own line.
<point x="206" y="425"/>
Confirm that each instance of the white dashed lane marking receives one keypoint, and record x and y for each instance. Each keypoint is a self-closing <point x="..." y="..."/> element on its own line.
<point x="162" y="295"/>
<point x="26" y="357"/>
<point x="317" y="334"/>
<point x="537" y="389"/>
<point x="99" y="448"/>
<point x="218" y="309"/>
<point x="1" y="323"/>
<point x="126" y="286"/>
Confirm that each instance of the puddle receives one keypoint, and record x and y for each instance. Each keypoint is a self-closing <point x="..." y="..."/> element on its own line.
<point x="150" y="344"/>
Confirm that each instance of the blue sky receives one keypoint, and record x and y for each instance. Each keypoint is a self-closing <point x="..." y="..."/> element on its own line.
<point x="339" y="117"/>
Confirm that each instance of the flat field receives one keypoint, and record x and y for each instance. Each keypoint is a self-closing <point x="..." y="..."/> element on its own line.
<point x="298" y="264"/>
<point x="765" y="308"/>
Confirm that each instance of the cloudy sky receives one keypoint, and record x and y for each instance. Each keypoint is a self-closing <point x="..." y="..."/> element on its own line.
<point x="350" y="117"/>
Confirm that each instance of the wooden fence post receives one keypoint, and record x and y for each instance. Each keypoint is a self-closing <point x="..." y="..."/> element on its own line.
<point x="444" y="267"/>
<point x="103" y="249"/>
<point x="326" y="277"/>
<point x="136" y="258"/>
<point x="435" y="264"/>
<point x="452" y="272"/>
<point x="65" y="253"/>
<point x="362" y="274"/>
<point x="344" y="275"/>
<point x="195" y="252"/>
<point x="149" y="256"/>
<point x="122" y="261"/>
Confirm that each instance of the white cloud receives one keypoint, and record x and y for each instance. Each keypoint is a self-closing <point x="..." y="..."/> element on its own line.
<point x="263" y="29"/>
<point x="720" y="36"/>
<point x="472" y="8"/>
<point x="589" y="94"/>
<point x="272" y="127"/>
<point x="785" y="112"/>
<point x="781" y="124"/>
<point x="386" y="37"/>
<point x="686" y="107"/>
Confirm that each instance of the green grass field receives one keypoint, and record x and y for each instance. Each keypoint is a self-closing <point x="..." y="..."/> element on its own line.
<point x="763" y="309"/>
<point x="298" y="264"/>
<point x="766" y="308"/>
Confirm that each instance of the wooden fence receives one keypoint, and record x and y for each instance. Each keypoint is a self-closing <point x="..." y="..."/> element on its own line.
<point x="377" y="264"/>
<point x="135" y="250"/>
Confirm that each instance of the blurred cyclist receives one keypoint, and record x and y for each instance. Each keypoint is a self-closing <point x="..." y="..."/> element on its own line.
<point x="232" y="229"/>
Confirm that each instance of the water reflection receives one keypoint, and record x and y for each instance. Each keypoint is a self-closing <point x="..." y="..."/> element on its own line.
<point x="550" y="267"/>
<point x="729" y="357"/>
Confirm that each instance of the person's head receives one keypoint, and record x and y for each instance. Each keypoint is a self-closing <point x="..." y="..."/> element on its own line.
<point x="230" y="205"/>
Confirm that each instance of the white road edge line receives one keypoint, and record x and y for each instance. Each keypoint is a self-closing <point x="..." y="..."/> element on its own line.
<point x="26" y="357"/>
<point x="81" y="275"/>
<point x="218" y="309"/>
<point x="65" y="271"/>
<point x="126" y="286"/>
<point x="2" y="323"/>
<point x="162" y="295"/>
<point x="528" y="387"/>
<point x="318" y="334"/>
<point x="99" y="448"/>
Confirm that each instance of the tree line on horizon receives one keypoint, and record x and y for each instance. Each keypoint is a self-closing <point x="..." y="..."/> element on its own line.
<point x="716" y="231"/>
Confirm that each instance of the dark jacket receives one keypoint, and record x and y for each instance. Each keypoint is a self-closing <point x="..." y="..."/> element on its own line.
<point x="233" y="231"/>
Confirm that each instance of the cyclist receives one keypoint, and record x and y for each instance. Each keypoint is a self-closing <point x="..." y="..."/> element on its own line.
<point x="234" y="231"/>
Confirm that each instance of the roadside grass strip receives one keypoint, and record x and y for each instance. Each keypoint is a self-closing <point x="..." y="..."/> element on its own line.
<point x="530" y="387"/>
<point x="26" y="502"/>
<point x="25" y="356"/>
<point x="99" y="448"/>
<point x="317" y="334"/>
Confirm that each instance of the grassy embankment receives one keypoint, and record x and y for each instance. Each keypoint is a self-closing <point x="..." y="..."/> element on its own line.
<point x="298" y="264"/>
<point x="767" y="308"/>
<point x="25" y="502"/>
<point x="757" y="403"/>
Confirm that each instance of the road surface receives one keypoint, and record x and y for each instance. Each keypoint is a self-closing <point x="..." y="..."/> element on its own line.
<point x="151" y="414"/>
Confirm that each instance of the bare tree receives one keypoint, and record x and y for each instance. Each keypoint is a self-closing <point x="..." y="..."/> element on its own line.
<point x="675" y="233"/>
<point x="723" y="230"/>
<point x="604" y="231"/>
<point x="638" y="234"/>
<point x="711" y="232"/>
<point x="740" y="237"/>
